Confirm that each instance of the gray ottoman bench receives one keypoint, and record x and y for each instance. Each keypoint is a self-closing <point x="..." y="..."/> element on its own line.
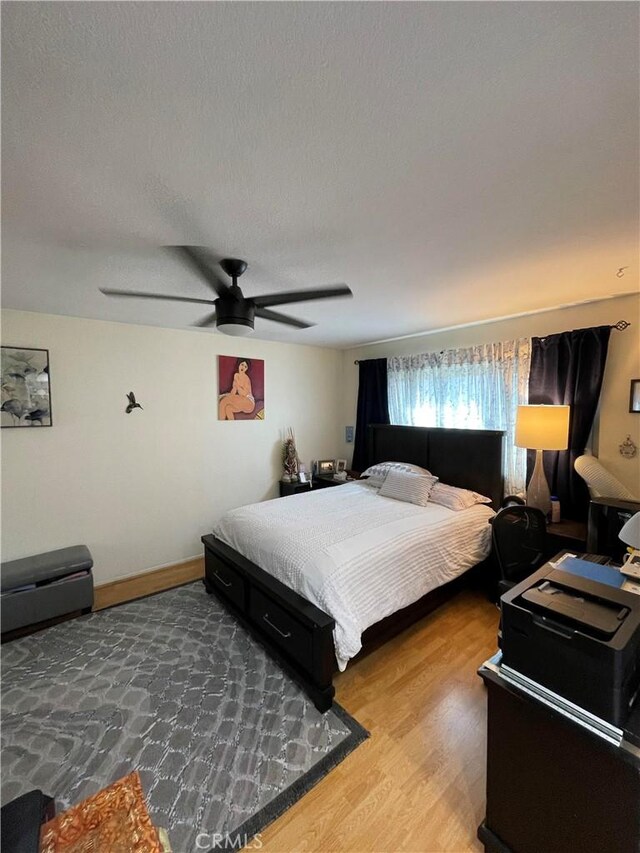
<point x="42" y="587"/>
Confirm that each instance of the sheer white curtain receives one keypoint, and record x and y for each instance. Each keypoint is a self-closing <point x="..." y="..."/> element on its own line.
<point x="477" y="387"/>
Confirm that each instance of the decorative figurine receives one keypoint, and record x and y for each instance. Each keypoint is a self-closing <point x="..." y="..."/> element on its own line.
<point x="290" y="461"/>
<point x="131" y="397"/>
<point x="628" y="448"/>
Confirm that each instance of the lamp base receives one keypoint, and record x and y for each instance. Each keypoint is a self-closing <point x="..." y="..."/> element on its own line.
<point x="538" y="494"/>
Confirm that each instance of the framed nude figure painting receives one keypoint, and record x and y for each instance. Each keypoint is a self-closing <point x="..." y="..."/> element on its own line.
<point x="240" y="388"/>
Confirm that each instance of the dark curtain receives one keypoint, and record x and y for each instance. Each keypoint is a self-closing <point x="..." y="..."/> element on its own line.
<point x="567" y="369"/>
<point x="373" y="406"/>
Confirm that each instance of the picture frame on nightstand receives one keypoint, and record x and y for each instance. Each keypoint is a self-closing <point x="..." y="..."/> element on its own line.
<point x="326" y="466"/>
<point x="341" y="465"/>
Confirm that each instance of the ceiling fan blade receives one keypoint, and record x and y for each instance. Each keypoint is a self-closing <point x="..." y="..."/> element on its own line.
<point x="301" y="295"/>
<point x="209" y="320"/>
<point x="282" y="318"/>
<point x="198" y="263"/>
<point x="141" y="294"/>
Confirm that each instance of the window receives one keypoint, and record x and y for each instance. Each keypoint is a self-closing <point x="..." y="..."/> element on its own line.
<point x="478" y="387"/>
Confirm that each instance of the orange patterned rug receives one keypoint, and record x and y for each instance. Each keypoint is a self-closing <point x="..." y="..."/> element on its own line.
<point x="114" y="819"/>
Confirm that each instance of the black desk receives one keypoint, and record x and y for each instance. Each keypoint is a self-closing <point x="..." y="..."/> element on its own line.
<point x="554" y="785"/>
<point x="606" y="518"/>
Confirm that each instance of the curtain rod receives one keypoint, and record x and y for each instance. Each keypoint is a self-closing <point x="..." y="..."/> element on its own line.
<point x="620" y="326"/>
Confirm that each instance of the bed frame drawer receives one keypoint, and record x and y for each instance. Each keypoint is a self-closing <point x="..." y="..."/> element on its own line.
<point x="295" y="632"/>
<point x="290" y="635"/>
<point x="226" y="580"/>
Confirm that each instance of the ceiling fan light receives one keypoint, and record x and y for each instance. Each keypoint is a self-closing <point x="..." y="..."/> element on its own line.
<point x="237" y="330"/>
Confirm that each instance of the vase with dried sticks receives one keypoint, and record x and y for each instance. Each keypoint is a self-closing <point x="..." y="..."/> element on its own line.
<point x="290" y="460"/>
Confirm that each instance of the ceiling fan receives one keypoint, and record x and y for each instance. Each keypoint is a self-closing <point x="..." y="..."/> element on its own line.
<point x="235" y="313"/>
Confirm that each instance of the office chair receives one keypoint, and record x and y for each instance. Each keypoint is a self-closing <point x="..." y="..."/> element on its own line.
<point x="519" y="535"/>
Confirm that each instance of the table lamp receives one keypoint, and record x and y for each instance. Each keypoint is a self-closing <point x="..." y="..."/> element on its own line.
<point x="630" y="535"/>
<point x="541" y="428"/>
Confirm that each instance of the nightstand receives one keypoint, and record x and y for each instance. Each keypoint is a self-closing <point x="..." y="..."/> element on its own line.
<point x="566" y="535"/>
<point x="294" y="488"/>
<point x="320" y="482"/>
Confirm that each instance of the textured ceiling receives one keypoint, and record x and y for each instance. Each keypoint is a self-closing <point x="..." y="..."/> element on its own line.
<point x="452" y="162"/>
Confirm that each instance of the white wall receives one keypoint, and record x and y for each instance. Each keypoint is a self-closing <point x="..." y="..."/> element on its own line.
<point x="623" y="364"/>
<point x="140" y="489"/>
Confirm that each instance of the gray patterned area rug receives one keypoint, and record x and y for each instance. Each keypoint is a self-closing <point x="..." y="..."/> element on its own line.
<point x="173" y="687"/>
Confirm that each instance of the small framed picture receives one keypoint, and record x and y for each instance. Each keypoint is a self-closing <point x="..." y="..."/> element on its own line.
<point x="326" y="466"/>
<point x="341" y="465"/>
<point x="303" y="477"/>
<point x="634" y="396"/>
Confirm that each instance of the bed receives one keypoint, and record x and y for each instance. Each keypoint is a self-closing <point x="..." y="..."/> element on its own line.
<point x="317" y="576"/>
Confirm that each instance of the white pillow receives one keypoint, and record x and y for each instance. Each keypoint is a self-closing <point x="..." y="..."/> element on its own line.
<point x="377" y="473"/>
<point x="454" y="498"/>
<point x="409" y="487"/>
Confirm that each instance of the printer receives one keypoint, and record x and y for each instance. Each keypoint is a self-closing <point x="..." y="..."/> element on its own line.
<point x="576" y="636"/>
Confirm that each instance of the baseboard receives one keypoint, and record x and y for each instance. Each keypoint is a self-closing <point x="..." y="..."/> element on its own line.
<point x="146" y="583"/>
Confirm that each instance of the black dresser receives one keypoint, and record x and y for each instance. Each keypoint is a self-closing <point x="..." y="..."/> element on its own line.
<point x="554" y="783"/>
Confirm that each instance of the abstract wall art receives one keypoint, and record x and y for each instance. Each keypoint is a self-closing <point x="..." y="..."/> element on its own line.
<point x="26" y="391"/>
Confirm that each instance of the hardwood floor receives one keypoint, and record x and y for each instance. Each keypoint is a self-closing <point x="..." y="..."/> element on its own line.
<point x="418" y="783"/>
<point x="128" y="589"/>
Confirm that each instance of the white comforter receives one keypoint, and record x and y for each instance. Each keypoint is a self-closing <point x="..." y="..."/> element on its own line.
<point x="356" y="555"/>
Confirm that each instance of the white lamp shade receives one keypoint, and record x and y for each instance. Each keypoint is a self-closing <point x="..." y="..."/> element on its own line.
<point x="630" y="533"/>
<point x="543" y="427"/>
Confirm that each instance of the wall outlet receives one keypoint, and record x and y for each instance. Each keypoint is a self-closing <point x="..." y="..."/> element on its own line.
<point x="348" y="434"/>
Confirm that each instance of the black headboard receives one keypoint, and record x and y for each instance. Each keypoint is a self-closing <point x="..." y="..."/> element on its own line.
<point x="468" y="458"/>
